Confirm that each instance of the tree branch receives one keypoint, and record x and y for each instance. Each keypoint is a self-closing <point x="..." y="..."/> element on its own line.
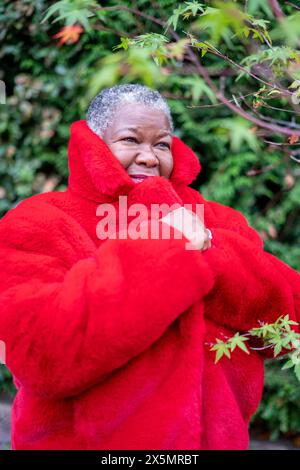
<point x="278" y="13"/>
<point x="205" y="75"/>
<point x="258" y="122"/>
<point x="292" y="5"/>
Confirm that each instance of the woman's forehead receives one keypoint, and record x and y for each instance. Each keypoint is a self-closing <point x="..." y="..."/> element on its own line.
<point x="138" y="116"/>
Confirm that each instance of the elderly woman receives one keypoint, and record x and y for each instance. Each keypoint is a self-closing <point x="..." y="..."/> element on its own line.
<point x="108" y="339"/>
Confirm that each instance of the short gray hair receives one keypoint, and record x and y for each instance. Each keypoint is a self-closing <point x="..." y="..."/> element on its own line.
<point x="102" y="109"/>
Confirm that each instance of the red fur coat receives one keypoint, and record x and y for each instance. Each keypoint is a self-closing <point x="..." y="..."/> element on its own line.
<point x="108" y="340"/>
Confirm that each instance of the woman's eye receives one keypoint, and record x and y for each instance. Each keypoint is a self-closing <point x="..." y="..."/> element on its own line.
<point x="164" y="144"/>
<point x="130" y="139"/>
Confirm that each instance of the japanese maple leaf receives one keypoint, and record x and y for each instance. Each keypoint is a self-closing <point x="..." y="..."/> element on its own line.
<point x="69" y="34"/>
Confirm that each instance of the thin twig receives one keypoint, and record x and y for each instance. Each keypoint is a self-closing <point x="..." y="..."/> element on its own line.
<point x="265" y="105"/>
<point x="219" y="104"/>
<point x="279" y="144"/>
<point x="261" y="170"/>
<point x="263" y="347"/>
<point x="135" y="12"/>
<point x="273" y="127"/>
<point x="292" y="5"/>
<point x="114" y="31"/>
<point x="203" y="72"/>
<point x="217" y="53"/>
<point x="269" y="119"/>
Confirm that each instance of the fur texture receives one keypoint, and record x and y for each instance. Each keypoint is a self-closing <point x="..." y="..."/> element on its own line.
<point x="108" y="341"/>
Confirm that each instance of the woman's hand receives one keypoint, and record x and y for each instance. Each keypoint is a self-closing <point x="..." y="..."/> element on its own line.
<point x="191" y="226"/>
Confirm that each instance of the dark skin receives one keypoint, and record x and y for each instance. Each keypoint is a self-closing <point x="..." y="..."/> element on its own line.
<point x="140" y="137"/>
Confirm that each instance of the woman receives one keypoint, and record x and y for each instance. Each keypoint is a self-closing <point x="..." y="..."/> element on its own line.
<point x="108" y="339"/>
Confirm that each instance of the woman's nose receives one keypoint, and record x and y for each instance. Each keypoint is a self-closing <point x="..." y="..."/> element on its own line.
<point x="148" y="157"/>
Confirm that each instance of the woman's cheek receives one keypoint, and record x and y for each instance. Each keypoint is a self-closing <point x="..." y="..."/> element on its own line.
<point x="124" y="155"/>
<point x="167" y="165"/>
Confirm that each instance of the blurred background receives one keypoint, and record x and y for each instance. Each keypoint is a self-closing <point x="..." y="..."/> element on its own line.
<point x="231" y="74"/>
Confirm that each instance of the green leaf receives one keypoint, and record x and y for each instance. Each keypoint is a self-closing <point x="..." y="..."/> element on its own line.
<point x="76" y="11"/>
<point x="123" y="45"/>
<point x="288" y="365"/>
<point x="238" y="341"/>
<point x="186" y="11"/>
<point x="297" y="372"/>
<point x="254" y="6"/>
<point x="222" y="349"/>
<point x="263" y="331"/>
<point x="52" y="10"/>
<point x="195" y="7"/>
<point x="219" y="355"/>
<point x="197" y="88"/>
<point x="277" y="349"/>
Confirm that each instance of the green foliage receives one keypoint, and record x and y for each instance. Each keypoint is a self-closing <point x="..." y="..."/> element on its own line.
<point x="249" y="168"/>
<point x="72" y="12"/>
<point x="278" y="335"/>
<point x="225" y="348"/>
<point x="277" y="58"/>
<point x="185" y="10"/>
<point x="279" y="410"/>
<point x="6" y="385"/>
<point x="288" y="29"/>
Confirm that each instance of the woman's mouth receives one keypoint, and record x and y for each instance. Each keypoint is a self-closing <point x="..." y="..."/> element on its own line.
<point x="139" y="178"/>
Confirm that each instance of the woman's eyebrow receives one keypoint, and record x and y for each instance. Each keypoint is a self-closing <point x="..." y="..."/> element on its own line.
<point x="129" y="128"/>
<point x="136" y="129"/>
<point x="166" y="133"/>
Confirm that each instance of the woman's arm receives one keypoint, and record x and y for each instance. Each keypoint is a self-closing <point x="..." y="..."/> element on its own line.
<point x="250" y="283"/>
<point x="72" y="313"/>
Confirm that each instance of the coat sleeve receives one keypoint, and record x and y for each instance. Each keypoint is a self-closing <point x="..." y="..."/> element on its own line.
<point x="71" y="313"/>
<point x="251" y="285"/>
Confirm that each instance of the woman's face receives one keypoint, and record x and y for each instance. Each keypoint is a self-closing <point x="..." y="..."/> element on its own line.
<point x="140" y="138"/>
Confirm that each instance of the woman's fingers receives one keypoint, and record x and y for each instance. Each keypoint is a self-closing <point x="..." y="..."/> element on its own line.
<point x="191" y="227"/>
<point x="207" y="242"/>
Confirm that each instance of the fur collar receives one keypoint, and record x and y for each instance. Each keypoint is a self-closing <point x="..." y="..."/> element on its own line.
<point x="96" y="174"/>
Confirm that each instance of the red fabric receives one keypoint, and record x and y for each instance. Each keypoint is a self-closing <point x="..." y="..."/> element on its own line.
<point x="108" y="341"/>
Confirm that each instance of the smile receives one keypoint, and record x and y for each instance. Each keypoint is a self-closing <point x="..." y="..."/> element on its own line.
<point x="139" y="177"/>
